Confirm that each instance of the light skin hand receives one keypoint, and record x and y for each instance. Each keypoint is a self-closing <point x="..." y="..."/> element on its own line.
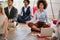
<point x="36" y="21"/>
<point x="10" y="20"/>
<point x="31" y="15"/>
<point x="49" y="24"/>
<point x="27" y="22"/>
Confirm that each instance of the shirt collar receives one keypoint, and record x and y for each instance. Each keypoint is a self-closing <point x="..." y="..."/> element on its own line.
<point x="40" y="11"/>
<point x="10" y="7"/>
<point x="26" y="7"/>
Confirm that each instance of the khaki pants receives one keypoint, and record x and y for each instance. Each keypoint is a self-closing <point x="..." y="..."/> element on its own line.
<point x="11" y="25"/>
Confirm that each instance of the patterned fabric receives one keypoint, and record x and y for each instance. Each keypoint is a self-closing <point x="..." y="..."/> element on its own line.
<point x="40" y="16"/>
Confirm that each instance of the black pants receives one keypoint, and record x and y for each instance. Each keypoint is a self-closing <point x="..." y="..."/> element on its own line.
<point x="23" y="19"/>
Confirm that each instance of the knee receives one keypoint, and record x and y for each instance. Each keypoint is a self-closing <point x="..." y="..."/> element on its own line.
<point x="46" y="25"/>
<point x="30" y="24"/>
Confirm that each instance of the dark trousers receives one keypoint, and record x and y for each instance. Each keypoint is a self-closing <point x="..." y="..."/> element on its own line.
<point x="38" y="25"/>
<point x="23" y="19"/>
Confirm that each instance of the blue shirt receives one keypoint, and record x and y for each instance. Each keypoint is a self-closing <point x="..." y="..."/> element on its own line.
<point x="40" y="16"/>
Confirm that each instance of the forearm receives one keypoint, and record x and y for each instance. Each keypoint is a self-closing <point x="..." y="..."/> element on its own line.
<point x="47" y="19"/>
<point x="15" y="16"/>
<point x="5" y="28"/>
<point x="48" y="22"/>
<point x="34" y="18"/>
<point x="31" y="14"/>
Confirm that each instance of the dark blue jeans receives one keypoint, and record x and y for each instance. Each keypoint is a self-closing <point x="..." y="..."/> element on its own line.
<point x="23" y="19"/>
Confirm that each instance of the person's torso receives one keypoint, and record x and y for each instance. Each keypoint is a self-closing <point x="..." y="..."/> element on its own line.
<point x="41" y="16"/>
<point x="10" y="13"/>
<point x="26" y="11"/>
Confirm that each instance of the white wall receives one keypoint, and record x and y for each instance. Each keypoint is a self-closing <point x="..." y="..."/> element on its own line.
<point x="56" y="7"/>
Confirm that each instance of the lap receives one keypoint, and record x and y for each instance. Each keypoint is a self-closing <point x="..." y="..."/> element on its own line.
<point x="38" y="24"/>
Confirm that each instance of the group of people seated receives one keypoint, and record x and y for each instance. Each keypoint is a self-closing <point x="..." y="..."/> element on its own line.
<point x="36" y="21"/>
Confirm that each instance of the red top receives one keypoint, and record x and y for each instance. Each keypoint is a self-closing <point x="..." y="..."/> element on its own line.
<point x="35" y="9"/>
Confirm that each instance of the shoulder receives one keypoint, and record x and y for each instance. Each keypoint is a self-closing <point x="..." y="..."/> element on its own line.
<point x="5" y="8"/>
<point x="45" y="11"/>
<point x="37" y="11"/>
<point x="29" y="6"/>
<point x="22" y="7"/>
<point x="14" y="8"/>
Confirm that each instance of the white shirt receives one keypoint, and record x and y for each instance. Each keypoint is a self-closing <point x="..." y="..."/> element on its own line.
<point x="9" y="9"/>
<point x="25" y="9"/>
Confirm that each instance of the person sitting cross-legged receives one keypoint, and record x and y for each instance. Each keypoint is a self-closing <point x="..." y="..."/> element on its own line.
<point x="40" y="18"/>
<point x="11" y="13"/>
<point x="25" y="14"/>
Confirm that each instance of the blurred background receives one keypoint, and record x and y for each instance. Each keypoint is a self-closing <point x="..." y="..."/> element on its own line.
<point x="53" y="6"/>
<point x="23" y="30"/>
